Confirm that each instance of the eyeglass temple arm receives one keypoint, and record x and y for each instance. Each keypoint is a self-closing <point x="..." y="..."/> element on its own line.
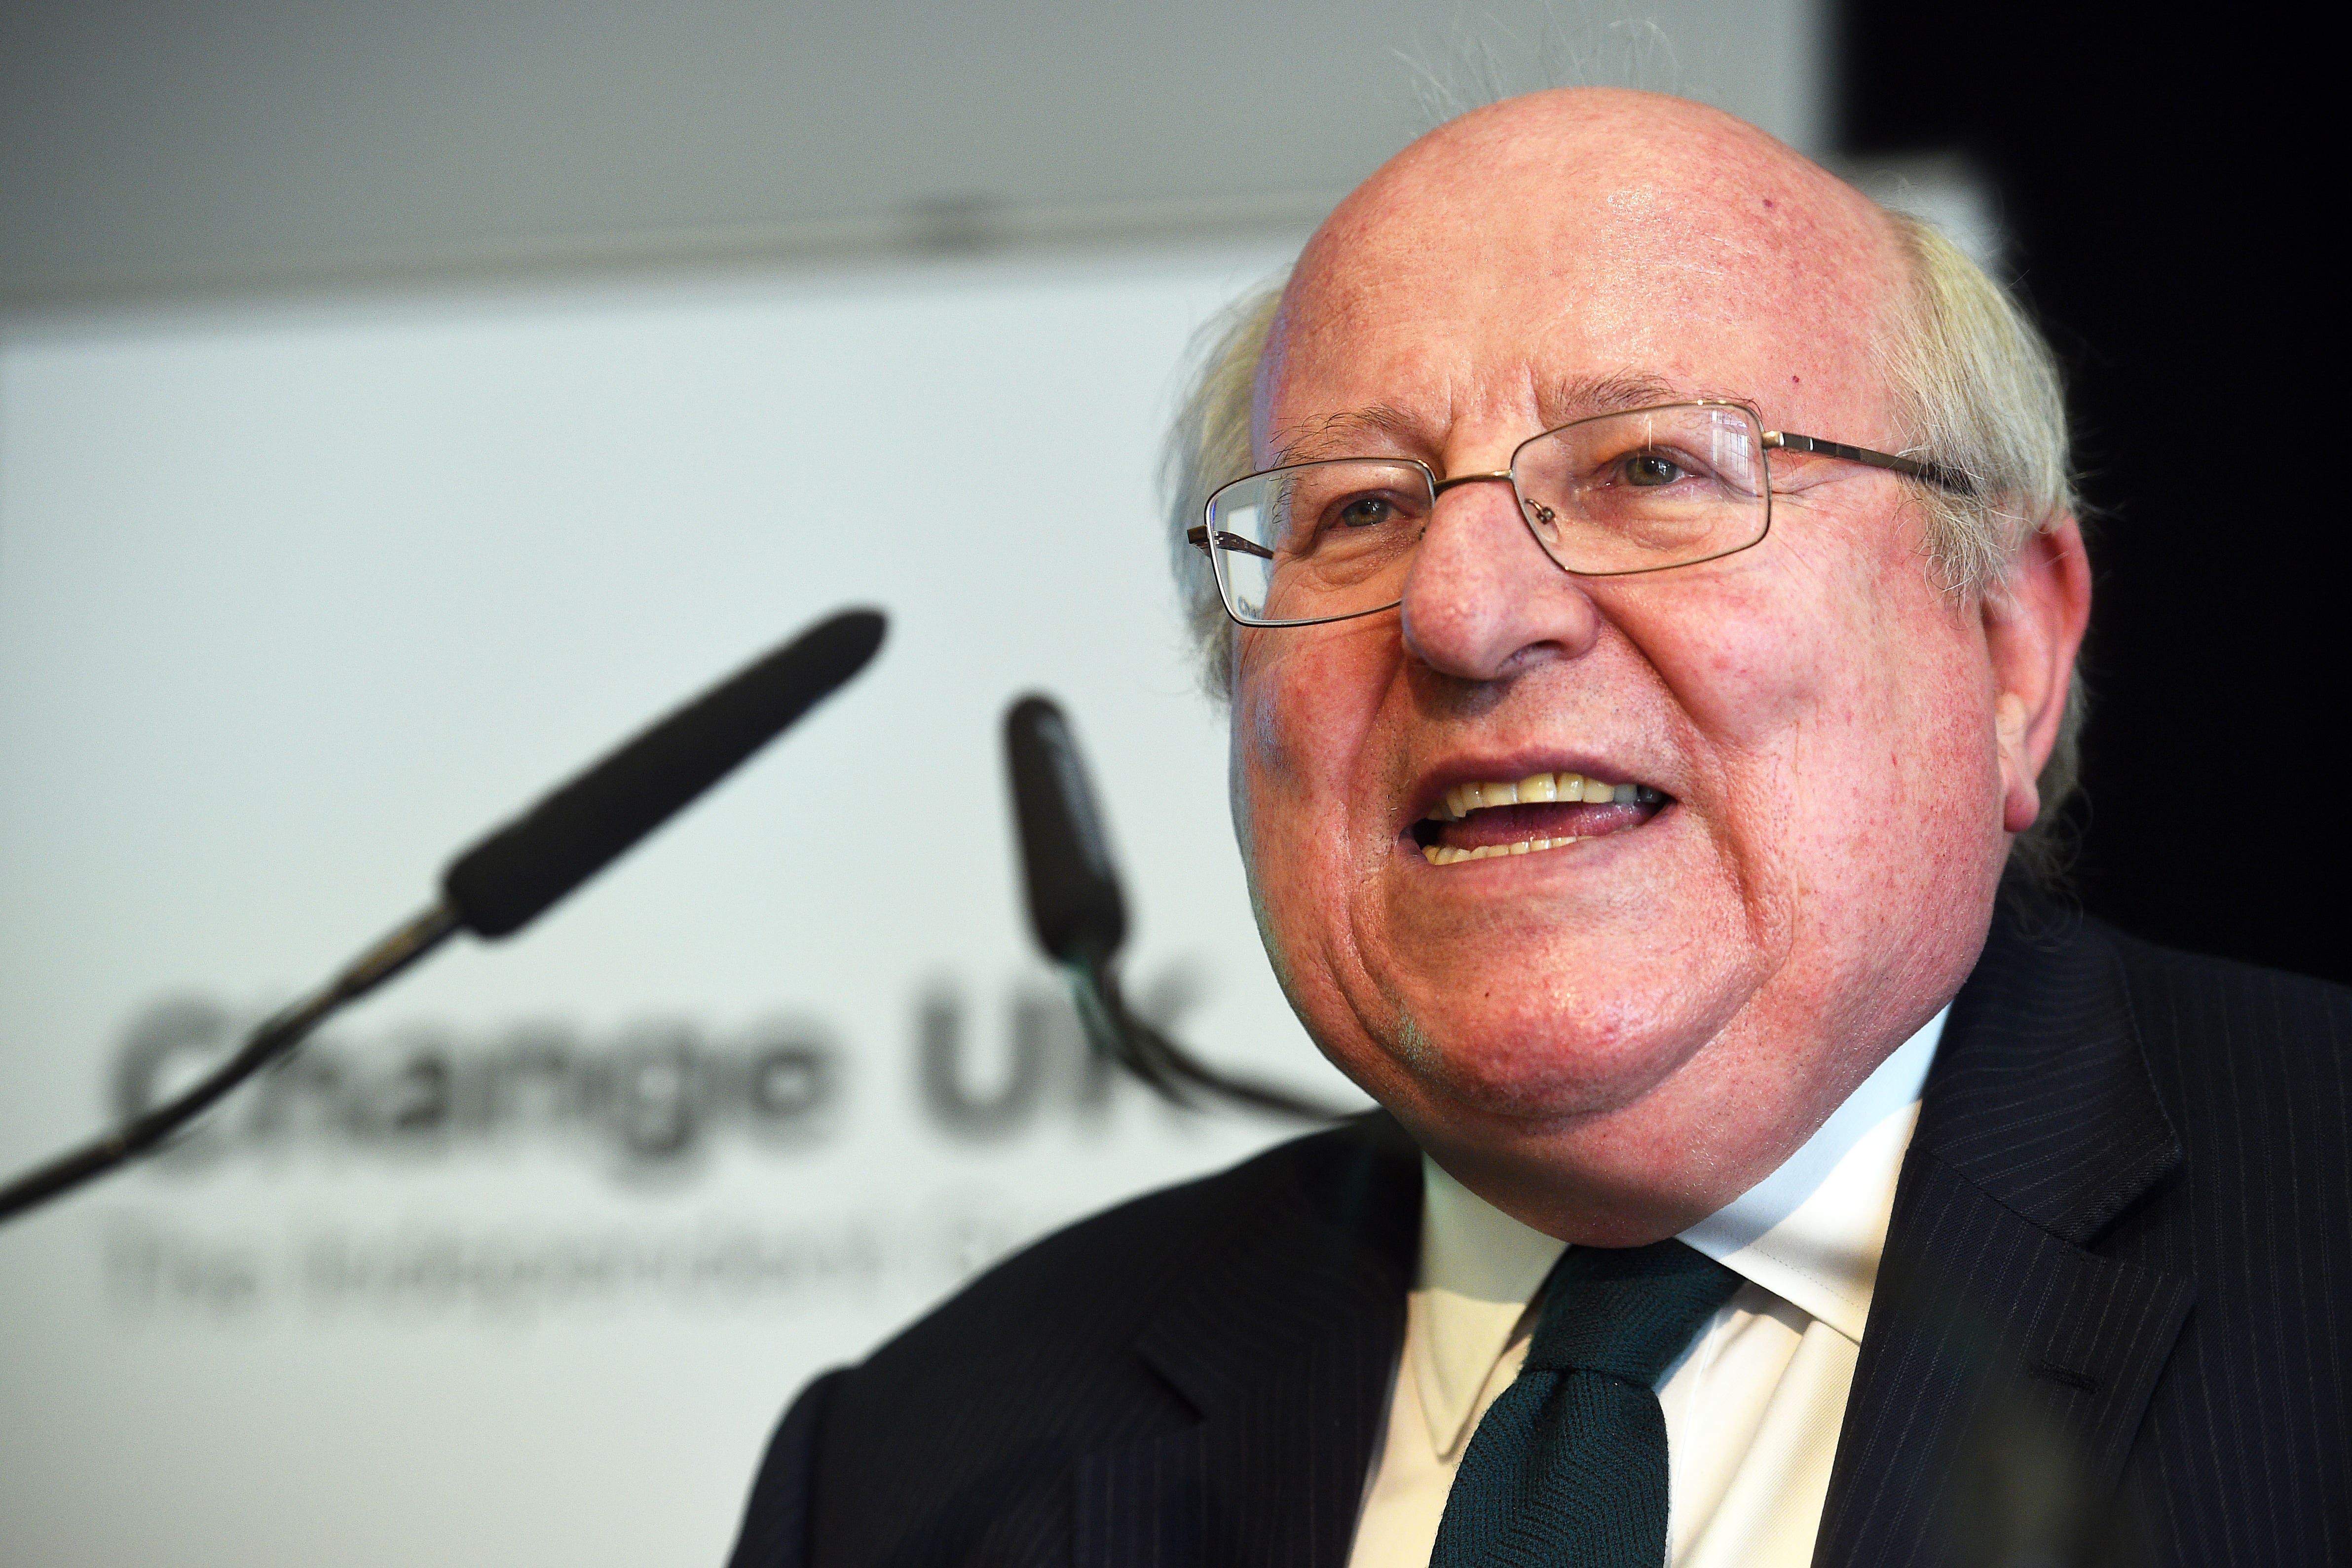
<point x="1933" y="473"/>
<point x="1197" y="536"/>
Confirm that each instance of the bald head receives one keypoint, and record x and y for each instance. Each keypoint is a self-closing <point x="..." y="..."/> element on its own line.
<point x="1586" y="222"/>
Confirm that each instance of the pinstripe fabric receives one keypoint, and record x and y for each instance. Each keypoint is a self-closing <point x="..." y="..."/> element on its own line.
<point x="776" y="1524"/>
<point x="1197" y="1378"/>
<point x="2122" y="1238"/>
<point x="1284" y="1347"/>
<point x="2122" y="1248"/>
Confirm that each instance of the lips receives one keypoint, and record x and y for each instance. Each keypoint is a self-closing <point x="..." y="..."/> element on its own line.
<point x="1543" y="812"/>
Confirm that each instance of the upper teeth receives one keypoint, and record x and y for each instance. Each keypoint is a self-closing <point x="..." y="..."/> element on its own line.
<point x="1465" y="798"/>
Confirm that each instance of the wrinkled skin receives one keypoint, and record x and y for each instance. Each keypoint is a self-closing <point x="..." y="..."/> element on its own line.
<point x="1613" y="1041"/>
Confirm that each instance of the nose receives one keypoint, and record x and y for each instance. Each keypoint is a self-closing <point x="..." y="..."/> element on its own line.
<point x="1482" y="599"/>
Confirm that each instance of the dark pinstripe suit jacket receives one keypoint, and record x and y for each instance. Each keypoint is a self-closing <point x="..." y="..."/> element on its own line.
<point x="2122" y="1247"/>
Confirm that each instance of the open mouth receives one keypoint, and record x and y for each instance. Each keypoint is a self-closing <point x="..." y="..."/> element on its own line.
<point x="1531" y="815"/>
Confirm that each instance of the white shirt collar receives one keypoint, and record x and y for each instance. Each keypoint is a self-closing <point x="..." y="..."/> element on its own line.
<point x="1811" y="1233"/>
<point x="1478" y="1270"/>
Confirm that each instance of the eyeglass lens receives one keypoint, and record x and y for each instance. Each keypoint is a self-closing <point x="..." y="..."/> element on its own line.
<point x="1626" y="492"/>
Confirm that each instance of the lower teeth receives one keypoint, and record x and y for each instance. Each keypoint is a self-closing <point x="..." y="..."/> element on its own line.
<point x="1447" y="855"/>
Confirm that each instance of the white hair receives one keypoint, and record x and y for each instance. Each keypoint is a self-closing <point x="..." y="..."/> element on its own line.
<point x="1977" y="394"/>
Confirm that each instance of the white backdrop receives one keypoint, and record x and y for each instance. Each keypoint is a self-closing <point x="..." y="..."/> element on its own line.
<point x="521" y="1266"/>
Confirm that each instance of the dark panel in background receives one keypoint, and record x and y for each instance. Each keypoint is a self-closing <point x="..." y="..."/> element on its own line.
<point x="2163" y="188"/>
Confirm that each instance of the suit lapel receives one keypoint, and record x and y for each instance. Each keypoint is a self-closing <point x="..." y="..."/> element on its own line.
<point x="2039" y="1127"/>
<point x="1283" y="1346"/>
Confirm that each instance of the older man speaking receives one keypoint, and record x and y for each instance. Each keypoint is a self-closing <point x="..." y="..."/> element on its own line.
<point x="1645" y="579"/>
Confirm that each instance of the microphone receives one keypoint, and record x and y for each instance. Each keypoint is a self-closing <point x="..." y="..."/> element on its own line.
<point x="1079" y="915"/>
<point x="1076" y="907"/>
<point x="512" y="876"/>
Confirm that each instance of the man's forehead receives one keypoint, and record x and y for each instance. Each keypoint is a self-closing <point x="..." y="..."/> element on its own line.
<point x="1382" y="427"/>
<point x="1590" y="252"/>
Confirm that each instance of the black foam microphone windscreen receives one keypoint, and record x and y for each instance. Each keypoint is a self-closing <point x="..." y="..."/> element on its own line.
<point x="1075" y="903"/>
<point x="502" y="883"/>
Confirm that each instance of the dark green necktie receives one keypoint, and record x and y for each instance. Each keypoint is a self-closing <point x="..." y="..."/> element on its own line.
<point x="1569" y="1466"/>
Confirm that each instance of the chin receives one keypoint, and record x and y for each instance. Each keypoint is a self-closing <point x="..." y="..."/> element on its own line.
<point x="1553" y="1066"/>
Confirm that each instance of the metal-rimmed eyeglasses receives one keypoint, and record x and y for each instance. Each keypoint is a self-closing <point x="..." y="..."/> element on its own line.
<point x="1639" y="490"/>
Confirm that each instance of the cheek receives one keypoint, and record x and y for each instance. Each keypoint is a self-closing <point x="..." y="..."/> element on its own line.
<point x="1746" y="679"/>
<point x="1305" y="704"/>
<point x="1305" y="709"/>
<point x="1267" y="761"/>
<point x="1839" y="716"/>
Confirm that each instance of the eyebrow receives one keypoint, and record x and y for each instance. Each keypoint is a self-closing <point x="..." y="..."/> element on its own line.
<point x="1587" y="395"/>
<point x="1340" y="435"/>
<point x="1348" y="434"/>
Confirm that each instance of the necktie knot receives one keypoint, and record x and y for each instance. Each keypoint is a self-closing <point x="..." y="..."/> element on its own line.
<point x="1626" y="1313"/>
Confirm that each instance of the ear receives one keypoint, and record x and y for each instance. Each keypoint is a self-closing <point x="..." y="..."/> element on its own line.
<point x="2033" y="622"/>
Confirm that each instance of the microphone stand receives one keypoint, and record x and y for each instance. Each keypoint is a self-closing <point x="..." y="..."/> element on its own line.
<point x="270" y="1044"/>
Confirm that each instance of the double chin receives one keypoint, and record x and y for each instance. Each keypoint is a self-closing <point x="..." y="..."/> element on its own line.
<point x="1552" y="1026"/>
